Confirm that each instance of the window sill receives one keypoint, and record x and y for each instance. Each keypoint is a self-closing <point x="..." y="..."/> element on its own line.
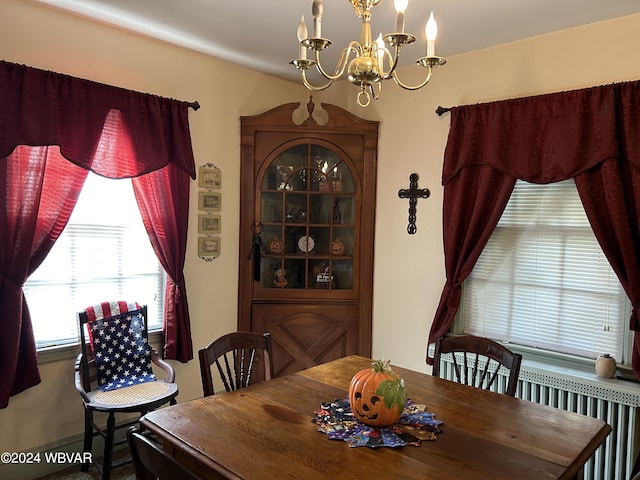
<point x="552" y="361"/>
<point x="70" y="352"/>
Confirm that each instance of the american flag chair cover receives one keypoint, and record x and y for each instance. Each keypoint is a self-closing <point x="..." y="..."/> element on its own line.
<point x="119" y="343"/>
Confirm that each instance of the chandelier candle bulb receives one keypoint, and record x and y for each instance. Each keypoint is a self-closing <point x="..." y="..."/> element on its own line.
<point x="380" y="44"/>
<point x="431" y="30"/>
<point x="302" y="35"/>
<point x="317" y="9"/>
<point x="401" y="7"/>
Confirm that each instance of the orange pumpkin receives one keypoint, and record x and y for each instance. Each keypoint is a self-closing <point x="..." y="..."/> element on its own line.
<point x="337" y="247"/>
<point x="377" y="395"/>
<point x="275" y="246"/>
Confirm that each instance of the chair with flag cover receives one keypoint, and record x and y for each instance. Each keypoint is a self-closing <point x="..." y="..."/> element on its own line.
<point x="114" y="373"/>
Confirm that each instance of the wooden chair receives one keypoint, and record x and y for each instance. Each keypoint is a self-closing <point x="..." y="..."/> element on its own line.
<point x="139" y="398"/>
<point x="235" y="357"/>
<point x="151" y="462"/>
<point x="481" y="360"/>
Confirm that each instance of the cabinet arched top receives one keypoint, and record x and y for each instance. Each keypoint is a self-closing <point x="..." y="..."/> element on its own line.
<point x="282" y="117"/>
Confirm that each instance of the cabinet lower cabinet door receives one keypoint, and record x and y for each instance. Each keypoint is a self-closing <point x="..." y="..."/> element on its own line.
<point x="305" y="335"/>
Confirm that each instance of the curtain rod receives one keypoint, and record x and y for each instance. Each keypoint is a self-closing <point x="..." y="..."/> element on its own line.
<point x="442" y="110"/>
<point x="195" y="105"/>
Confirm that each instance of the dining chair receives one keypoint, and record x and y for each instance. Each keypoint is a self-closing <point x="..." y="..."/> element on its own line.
<point x="477" y="361"/>
<point x="236" y="355"/>
<point x="114" y="373"/>
<point x="151" y="462"/>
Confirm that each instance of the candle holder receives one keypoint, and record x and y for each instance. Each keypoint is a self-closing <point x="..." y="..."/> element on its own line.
<point x="431" y="62"/>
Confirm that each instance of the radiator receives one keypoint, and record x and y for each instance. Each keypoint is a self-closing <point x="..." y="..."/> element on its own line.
<point x="614" y="401"/>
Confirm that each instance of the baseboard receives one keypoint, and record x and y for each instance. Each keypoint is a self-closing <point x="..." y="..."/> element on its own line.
<point x="53" y="457"/>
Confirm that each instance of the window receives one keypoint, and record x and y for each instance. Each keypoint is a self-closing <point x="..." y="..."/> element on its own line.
<point x="103" y="254"/>
<point x="543" y="281"/>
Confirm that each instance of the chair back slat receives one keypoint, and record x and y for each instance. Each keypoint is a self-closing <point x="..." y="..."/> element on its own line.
<point x="482" y="360"/>
<point x="225" y="374"/>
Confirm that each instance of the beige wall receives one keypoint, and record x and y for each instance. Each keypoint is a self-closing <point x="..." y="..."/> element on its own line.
<point x="409" y="272"/>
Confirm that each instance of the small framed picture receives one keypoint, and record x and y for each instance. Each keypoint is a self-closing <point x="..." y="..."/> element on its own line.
<point x="209" y="201"/>
<point x="209" y="223"/>
<point x="209" y="177"/>
<point x="208" y="246"/>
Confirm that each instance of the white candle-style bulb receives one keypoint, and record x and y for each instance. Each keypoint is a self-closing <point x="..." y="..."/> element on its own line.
<point x="401" y="7"/>
<point x="380" y="44"/>
<point x="431" y="30"/>
<point x="302" y="35"/>
<point x="317" y="9"/>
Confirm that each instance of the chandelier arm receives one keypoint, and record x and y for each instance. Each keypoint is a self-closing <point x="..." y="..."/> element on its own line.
<point x="314" y="87"/>
<point x="342" y="61"/>
<point x="393" y="62"/>
<point x="407" y="87"/>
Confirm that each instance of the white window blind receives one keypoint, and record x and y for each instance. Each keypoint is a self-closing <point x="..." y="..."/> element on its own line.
<point x="104" y="254"/>
<point x="543" y="280"/>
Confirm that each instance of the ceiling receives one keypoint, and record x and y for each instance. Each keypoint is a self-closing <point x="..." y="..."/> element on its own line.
<point x="261" y="34"/>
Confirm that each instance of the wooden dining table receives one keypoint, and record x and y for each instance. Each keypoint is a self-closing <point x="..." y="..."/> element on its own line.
<point x="266" y="431"/>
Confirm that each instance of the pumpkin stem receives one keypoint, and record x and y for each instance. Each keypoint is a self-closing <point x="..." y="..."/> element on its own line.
<point x="381" y="365"/>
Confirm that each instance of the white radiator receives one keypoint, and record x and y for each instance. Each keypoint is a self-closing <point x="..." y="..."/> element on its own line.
<point x="617" y="402"/>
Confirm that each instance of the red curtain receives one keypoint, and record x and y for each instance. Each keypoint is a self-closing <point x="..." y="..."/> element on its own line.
<point x="114" y="132"/>
<point x="163" y="199"/>
<point x="38" y="191"/>
<point x="591" y="135"/>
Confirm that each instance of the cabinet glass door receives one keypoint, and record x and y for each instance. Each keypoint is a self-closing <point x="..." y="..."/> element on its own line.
<point x="308" y="212"/>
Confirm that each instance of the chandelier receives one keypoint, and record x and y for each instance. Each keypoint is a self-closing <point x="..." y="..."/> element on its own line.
<point x="367" y="68"/>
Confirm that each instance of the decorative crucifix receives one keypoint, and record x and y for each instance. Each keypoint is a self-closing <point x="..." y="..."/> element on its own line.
<point x="413" y="193"/>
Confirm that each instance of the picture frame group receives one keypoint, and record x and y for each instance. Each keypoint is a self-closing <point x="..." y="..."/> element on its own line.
<point x="210" y="204"/>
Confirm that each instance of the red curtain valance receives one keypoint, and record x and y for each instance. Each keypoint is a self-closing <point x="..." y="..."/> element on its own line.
<point x="57" y="109"/>
<point x="546" y="138"/>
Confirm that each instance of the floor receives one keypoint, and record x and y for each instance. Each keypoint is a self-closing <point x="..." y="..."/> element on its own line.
<point x="73" y="473"/>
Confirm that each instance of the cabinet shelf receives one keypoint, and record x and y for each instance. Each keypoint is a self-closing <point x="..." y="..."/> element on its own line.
<point x="312" y="256"/>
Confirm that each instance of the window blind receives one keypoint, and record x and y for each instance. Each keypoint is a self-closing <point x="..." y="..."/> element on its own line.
<point x="104" y="254"/>
<point x="543" y="280"/>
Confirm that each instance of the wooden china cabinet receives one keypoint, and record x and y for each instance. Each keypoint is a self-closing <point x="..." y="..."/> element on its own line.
<point x="307" y="212"/>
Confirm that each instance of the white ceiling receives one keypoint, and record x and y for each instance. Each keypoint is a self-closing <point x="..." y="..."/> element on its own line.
<point x="261" y="34"/>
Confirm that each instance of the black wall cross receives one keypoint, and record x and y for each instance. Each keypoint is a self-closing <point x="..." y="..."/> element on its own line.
<point x="413" y="193"/>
